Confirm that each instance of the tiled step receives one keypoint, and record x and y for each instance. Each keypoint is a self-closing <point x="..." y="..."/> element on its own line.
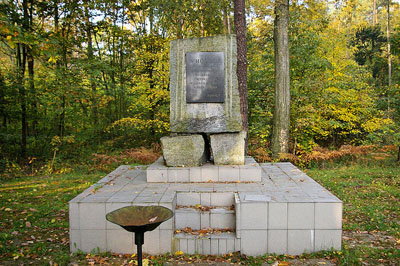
<point x="158" y="172"/>
<point x="197" y="219"/>
<point x="213" y="244"/>
<point x="205" y="198"/>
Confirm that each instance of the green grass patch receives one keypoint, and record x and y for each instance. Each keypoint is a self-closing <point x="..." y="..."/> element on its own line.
<point x="34" y="217"/>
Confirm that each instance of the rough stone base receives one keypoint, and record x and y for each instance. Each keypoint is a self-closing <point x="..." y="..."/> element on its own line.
<point x="183" y="151"/>
<point x="228" y="148"/>
<point x="286" y="213"/>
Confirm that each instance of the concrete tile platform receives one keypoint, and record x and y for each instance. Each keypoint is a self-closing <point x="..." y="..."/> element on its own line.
<point x="286" y="212"/>
<point x="249" y="172"/>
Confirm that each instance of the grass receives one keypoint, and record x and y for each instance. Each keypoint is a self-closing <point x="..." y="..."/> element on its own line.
<point x="34" y="221"/>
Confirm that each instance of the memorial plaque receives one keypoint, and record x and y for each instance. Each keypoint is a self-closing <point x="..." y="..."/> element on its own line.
<point x="205" y="79"/>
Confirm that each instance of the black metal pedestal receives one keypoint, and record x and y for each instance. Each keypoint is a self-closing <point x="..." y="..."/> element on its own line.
<point x="139" y="241"/>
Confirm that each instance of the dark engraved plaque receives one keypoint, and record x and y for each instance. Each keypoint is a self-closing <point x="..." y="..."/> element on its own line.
<point x="205" y="77"/>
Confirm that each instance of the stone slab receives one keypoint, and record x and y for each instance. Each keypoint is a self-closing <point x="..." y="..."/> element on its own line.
<point x="183" y="151"/>
<point x="228" y="148"/>
<point x="208" y="117"/>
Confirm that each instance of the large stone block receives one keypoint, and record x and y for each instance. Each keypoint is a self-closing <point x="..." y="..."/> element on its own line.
<point x="183" y="150"/>
<point x="228" y="148"/>
<point x="206" y="115"/>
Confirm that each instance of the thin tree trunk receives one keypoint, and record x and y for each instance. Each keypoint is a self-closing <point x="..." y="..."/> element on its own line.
<point x="90" y="59"/>
<point x="240" y="28"/>
<point x="388" y="44"/>
<point x="389" y="56"/>
<point x="31" y="74"/>
<point x="281" y="124"/>
<point x="374" y="16"/>
<point x="21" y="62"/>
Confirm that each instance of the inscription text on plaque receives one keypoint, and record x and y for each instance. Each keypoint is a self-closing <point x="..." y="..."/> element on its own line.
<point x="205" y="77"/>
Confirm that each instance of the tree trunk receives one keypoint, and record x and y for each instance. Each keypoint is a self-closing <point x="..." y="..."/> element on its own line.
<point x="281" y="124"/>
<point x="374" y="16"/>
<point x="21" y="63"/>
<point x="31" y="74"/>
<point x="388" y="44"/>
<point x="90" y="60"/>
<point x="240" y="28"/>
<point x="389" y="57"/>
<point x="21" y="66"/>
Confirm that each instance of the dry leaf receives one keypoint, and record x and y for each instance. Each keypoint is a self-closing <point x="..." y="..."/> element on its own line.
<point x="153" y="219"/>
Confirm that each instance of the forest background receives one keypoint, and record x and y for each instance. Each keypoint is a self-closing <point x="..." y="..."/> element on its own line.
<point x="86" y="81"/>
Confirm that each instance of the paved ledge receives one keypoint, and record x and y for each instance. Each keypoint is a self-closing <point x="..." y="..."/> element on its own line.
<point x="158" y="172"/>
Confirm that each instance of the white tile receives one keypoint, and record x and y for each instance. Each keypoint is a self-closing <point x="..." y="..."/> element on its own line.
<point x="187" y="199"/>
<point x="327" y="239"/>
<point x="205" y="199"/>
<point x="156" y="175"/>
<point x="92" y="216"/>
<point x="183" y="245"/>
<point x="254" y="242"/>
<point x="248" y="174"/>
<point x="222" y="220"/>
<point x="206" y="246"/>
<point x="277" y="215"/>
<point x="230" y="245"/>
<point x="74" y="215"/>
<point x="120" y="241"/>
<point x="195" y="174"/>
<point x="152" y="242"/>
<point x="277" y="241"/>
<point x="178" y="175"/>
<point x="328" y="215"/>
<point x="74" y="240"/>
<point x="93" y="239"/>
<point x="253" y="216"/>
<point x="187" y="219"/>
<point x="222" y="199"/>
<point x="222" y="246"/>
<point x="191" y="246"/>
<point x="214" y="247"/>
<point x="209" y="172"/>
<point x="301" y="216"/>
<point x="228" y="173"/>
<point x="237" y="244"/>
<point x="300" y="241"/>
<point x="199" y="246"/>
<point x="166" y="241"/>
<point x="205" y="219"/>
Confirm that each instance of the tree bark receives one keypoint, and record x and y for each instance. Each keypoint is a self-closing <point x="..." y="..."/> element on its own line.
<point x="90" y="60"/>
<point x="281" y="123"/>
<point x="388" y="45"/>
<point x="240" y="28"/>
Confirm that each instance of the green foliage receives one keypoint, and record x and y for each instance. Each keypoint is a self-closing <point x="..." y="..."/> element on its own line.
<point x="100" y="74"/>
<point x="334" y="100"/>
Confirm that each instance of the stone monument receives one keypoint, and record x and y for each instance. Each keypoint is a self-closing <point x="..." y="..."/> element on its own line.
<point x="204" y="103"/>
<point x="222" y="203"/>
